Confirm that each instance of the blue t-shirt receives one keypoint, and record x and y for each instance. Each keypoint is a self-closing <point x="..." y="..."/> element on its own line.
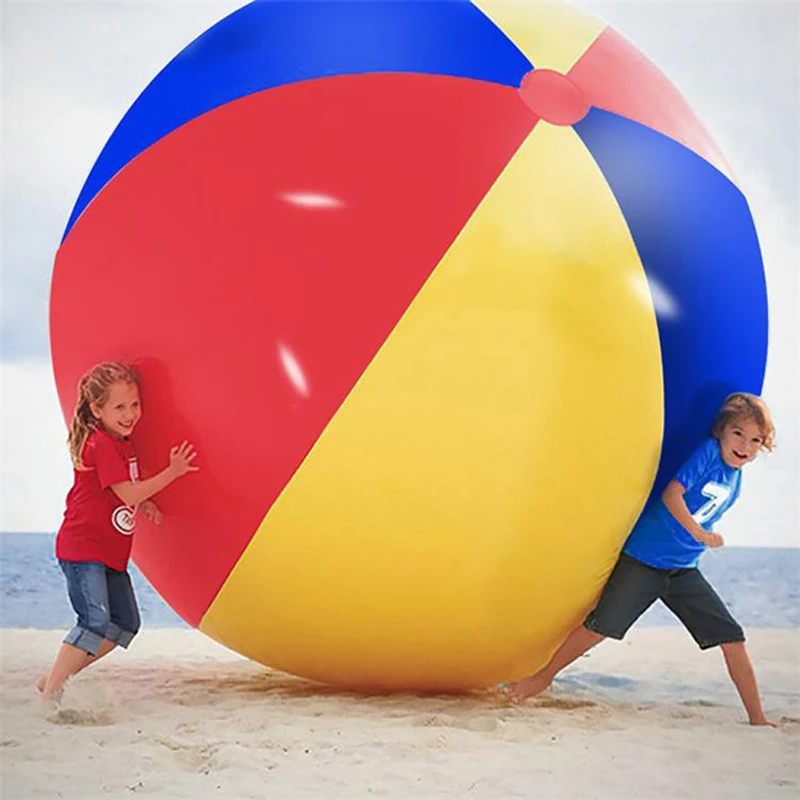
<point x="658" y="539"/>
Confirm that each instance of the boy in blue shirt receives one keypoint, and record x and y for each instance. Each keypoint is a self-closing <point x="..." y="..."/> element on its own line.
<point x="659" y="558"/>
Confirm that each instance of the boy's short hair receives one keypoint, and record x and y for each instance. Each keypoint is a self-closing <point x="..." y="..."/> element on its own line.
<point x="749" y="406"/>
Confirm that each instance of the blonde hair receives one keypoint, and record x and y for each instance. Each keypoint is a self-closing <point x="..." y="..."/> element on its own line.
<point x="93" y="387"/>
<point x="741" y="405"/>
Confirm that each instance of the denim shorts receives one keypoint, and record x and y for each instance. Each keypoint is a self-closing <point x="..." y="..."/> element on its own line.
<point x="633" y="587"/>
<point x="104" y="601"/>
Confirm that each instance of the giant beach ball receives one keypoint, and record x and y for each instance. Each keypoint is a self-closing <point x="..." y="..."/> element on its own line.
<point x="442" y="292"/>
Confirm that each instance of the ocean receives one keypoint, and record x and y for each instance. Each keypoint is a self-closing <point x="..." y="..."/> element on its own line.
<point x="761" y="586"/>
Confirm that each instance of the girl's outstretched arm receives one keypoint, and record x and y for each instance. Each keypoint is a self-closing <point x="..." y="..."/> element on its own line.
<point x="180" y="462"/>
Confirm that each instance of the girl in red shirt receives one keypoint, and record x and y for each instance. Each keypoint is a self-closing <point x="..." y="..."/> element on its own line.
<point x="94" y="542"/>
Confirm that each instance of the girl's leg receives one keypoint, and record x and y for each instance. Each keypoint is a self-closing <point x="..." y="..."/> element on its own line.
<point x="575" y="645"/>
<point x="740" y="668"/>
<point x="93" y="587"/>
<point x="123" y="608"/>
<point x="105" y="648"/>
<point x="88" y="593"/>
<point x="69" y="660"/>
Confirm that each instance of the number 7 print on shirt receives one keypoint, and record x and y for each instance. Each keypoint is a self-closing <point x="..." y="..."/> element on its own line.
<point x="718" y="495"/>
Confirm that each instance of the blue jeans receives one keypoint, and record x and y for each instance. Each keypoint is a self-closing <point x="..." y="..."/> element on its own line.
<point x="104" y="601"/>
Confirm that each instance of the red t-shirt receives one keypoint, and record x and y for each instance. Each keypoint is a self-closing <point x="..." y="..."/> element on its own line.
<point x="97" y="525"/>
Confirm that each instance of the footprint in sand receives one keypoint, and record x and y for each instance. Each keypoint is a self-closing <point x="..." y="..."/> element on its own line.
<point x="699" y="703"/>
<point x="484" y="724"/>
<point x="563" y="703"/>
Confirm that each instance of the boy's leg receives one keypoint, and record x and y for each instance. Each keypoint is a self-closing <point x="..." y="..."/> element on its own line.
<point x="575" y="645"/>
<point x="740" y="668"/>
<point x="631" y="589"/>
<point x="693" y="600"/>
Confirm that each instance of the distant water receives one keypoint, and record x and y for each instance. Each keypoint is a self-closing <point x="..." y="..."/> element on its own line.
<point x="760" y="585"/>
<point x="33" y="593"/>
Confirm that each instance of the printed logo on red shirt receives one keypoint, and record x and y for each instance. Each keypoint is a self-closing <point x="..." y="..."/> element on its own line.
<point x="123" y="520"/>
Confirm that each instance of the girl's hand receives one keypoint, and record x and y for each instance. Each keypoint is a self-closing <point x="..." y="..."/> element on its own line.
<point x="713" y="540"/>
<point x="180" y="459"/>
<point x="151" y="511"/>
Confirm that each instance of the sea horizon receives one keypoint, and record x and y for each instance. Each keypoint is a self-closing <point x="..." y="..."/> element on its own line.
<point x="761" y="586"/>
<point x="727" y="546"/>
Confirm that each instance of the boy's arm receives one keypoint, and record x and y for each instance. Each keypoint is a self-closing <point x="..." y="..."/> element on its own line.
<point x="673" y="500"/>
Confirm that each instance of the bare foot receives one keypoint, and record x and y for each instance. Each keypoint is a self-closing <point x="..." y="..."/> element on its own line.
<point x="50" y="701"/>
<point x="764" y="721"/>
<point x="41" y="682"/>
<point x="528" y="687"/>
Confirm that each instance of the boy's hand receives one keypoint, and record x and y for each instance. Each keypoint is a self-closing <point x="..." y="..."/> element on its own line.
<point x="151" y="511"/>
<point x="713" y="540"/>
<point x="180" y="459"/>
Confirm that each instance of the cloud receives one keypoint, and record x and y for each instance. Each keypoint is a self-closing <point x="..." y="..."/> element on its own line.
<point x="36" y="470"/>
<point x="70" y="72"/>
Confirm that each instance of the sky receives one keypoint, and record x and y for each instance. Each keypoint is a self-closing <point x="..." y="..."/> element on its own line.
<point x="70" y="70"/>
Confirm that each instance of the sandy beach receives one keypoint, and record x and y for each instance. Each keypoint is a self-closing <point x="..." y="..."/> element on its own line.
<point x="179" y="716"/>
